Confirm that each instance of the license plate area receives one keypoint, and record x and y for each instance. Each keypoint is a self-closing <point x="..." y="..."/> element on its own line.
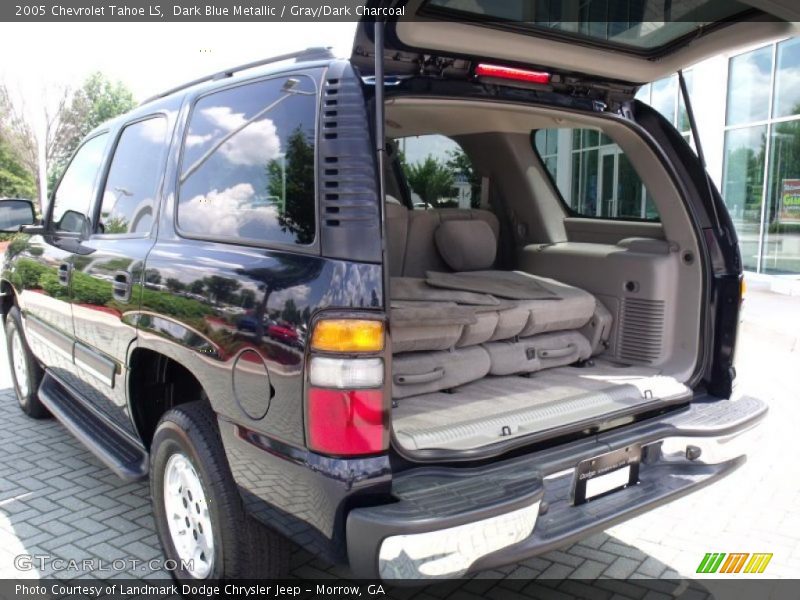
<point x="604" y="474"/>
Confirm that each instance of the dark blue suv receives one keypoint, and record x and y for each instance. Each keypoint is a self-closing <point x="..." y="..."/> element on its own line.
<point x="445" y="305"/>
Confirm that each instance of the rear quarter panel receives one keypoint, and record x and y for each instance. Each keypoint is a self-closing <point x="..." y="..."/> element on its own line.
<point x="217" y="308"/>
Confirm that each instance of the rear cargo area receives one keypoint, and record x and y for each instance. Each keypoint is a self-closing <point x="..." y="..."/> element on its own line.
<point x="482" y="355"/>
<point x="488" y="348"/>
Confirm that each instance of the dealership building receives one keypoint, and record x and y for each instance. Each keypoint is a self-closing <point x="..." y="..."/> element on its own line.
<point x="747" y="107"/>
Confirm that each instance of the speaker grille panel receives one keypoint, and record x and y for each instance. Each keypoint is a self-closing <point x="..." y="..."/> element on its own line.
<point x="642" y="330"/>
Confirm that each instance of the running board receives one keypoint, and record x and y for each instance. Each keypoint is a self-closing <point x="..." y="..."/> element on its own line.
<point x="116" y="450"/>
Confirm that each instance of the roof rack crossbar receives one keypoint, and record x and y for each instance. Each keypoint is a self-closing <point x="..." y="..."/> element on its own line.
<point x="318" y="53"/>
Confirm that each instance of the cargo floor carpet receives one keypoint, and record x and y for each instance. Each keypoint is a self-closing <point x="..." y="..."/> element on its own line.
<point x="495" y="409"/>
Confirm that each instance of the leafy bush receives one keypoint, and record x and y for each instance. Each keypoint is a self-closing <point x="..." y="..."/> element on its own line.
<point x="791" y="228"/>
<point x="27" y="274"/>
<point x="88" y="290"/>
<point x="175" y="306"/>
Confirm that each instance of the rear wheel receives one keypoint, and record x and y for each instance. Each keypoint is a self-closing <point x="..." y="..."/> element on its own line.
<point x="198" y="511"/>
<point x="26" y="374"/>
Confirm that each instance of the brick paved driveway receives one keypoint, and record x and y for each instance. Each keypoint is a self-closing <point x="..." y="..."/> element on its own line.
<point x="56" y="499"/>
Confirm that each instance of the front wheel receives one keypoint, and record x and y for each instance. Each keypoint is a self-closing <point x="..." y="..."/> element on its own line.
<point x="26" y="374"/>
<point x="199" y="514"/>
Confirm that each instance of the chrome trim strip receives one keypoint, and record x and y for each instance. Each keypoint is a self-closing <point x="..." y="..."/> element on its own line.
<point x="32" y="333"/>
<point x="109" y="381"/>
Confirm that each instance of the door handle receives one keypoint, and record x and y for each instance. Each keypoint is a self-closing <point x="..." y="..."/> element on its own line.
<point x="122" y="286"/>
<point x="64" y="272"/>
<point x="558" y="352"/>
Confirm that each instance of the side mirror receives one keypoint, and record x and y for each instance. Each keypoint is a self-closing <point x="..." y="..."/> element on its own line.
<point x="16" y="213"/>
<point x="73" y="222"/>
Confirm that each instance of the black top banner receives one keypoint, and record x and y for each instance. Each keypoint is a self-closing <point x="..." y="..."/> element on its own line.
<point x="191" y="10"/>
<point x="566" y="15"/>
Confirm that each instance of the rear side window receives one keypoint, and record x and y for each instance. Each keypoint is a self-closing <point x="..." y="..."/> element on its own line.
<point x="129" y="197"/>
<point x="247" y="171"/>
<point x="593" y="175"/>
<point x="438" y="172"/>
<point x="75" y="193"/>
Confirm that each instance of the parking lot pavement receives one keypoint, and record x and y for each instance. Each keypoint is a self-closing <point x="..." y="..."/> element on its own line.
<point x="57" y="500"/>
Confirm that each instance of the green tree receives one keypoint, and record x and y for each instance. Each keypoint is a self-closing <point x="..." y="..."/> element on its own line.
<point x="174" y="285"/>
<point x="459" y="162"/>
<point x="198" y="286"/>
<point x="152" y="276"/>
<point x="116" y="225"/>
<point x="17" y="173"/>
<point x="247" y="297"/>
<point x="298" y="201"/>
<point x="95" y="102"/>
<point x="219" y="288"/>
<point x="15" y="180"/>
<point x="290" y="312"/>
<point x="432" y="180"/>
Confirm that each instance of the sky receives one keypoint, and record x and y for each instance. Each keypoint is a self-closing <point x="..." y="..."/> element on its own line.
<point x="147" y="57"/>
<point x="40" y="59"/>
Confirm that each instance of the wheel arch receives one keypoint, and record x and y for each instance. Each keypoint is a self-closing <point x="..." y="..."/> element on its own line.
<point x="8" y="297"/>
<point x="157" y="383"/>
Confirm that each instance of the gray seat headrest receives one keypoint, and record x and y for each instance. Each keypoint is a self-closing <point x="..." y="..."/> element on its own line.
<point x="466" y="245"/>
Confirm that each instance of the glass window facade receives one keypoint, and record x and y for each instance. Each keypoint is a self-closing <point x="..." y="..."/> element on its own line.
<point x="665" y="96"/>
<point x="593" y="174"/>
<point x="743" y="185"/>
<point x="761" y="163"/>
<point x="749" y="83"/>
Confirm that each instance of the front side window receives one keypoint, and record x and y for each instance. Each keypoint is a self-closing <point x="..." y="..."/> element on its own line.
<point x="439" y="173"/>
<point x="73" y="197"/>
<point x="593" y="174"/>
<point x="247" y="170"/>
<point x="130" y="192"/>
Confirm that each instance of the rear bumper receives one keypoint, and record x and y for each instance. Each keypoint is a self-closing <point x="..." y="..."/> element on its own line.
<point x="449" y="521"/>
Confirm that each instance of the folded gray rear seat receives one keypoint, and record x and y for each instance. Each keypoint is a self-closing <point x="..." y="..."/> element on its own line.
<point x="555" y="306"/>
<point x="531" y="354"/>
<point x="416" y="373"/>
<point x="448" y="329"/>
<point x="469" y="248"/>
<point x="419" y="326"/>
<point x="428" y="318"/>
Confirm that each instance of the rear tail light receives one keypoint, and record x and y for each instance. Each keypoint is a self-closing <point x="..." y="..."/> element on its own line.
<point x="511" y="73"/>
<point x="346" y="422"/>
<point x="348" y="335"/>
<point x="346" y="373"/>
<point x="345" y="412"/>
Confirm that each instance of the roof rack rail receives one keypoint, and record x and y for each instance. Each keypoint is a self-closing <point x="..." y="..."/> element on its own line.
<point x="318" y="53"/>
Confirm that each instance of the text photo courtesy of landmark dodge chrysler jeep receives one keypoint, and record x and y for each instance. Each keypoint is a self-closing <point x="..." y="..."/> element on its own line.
<point x="241" y="290"/>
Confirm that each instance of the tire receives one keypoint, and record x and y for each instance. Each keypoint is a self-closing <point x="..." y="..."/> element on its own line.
<point x="26" y="373"/>
<point x="187" y="452"/>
